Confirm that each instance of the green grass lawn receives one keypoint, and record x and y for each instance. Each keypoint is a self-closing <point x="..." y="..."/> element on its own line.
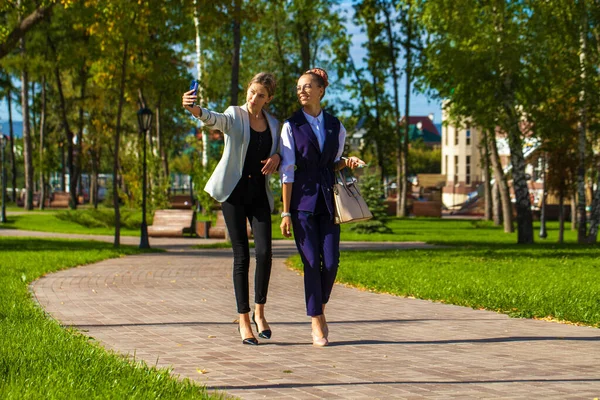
<point x="80" y="222"/>
<point x="481" y="267"/>
<point x="40" y="359"/>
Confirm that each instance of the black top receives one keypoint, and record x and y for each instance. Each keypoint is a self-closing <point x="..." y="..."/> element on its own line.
<point x="251" y="187"/>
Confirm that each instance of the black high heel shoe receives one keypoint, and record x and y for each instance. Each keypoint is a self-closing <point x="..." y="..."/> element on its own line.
<point x="266" y="334"/>
<point x="249" y="341"/>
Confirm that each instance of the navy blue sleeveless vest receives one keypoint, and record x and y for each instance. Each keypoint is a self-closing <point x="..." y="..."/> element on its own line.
<point x="314" y="169"/>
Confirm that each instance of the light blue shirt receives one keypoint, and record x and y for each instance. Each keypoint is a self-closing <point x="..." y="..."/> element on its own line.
<point x="287" y="150"/>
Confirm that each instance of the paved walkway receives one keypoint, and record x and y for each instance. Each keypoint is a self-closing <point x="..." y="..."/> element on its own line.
<point x="177" y="309"/>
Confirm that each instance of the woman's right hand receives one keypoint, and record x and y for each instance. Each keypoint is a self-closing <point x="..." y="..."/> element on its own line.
<point x="286" y="227"/>
<point x="187" y="100"/>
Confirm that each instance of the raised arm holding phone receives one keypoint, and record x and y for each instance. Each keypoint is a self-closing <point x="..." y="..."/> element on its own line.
<point x="240" y="183"/>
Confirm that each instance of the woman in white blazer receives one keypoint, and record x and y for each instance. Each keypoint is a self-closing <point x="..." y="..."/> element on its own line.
<point x="240" y="183"/>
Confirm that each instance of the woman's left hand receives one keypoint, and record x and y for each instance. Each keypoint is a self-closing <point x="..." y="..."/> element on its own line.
<point x="353" y="162"/>
<point x="270" y="164"/>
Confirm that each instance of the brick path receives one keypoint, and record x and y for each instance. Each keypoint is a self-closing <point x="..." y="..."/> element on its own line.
<point x="177" y="309"/>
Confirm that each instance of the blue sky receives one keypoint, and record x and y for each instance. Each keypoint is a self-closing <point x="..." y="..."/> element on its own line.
<point x="419" y="104"/>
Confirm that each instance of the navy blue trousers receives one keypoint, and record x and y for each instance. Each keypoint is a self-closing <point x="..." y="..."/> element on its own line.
<point x="318" y="242"/>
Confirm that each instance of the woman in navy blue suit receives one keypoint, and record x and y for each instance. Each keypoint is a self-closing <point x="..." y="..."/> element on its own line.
<point x="312" y="142"/>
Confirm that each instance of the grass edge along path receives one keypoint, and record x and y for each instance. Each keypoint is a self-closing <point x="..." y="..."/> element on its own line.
<point x="38" y="357"/>
<point x="481" y="267"/>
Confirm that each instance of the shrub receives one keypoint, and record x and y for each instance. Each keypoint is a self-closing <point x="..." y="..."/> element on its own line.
<point x="371" y="189"/>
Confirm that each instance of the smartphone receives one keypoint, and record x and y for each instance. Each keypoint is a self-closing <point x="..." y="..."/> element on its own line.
<point x="194" y="87"/>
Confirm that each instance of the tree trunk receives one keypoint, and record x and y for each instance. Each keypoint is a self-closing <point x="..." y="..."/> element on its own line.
<point x="94" y="179"/>
<point x="595" y="215"/>
<point x="43" y="192"/>
<point x="400" y="211"/>
<point x="25" y="24"/>
<point x="76" y="178"/>
<point x="27" y="148"/>
<point x="543" y="232"/>
<point x="487" y="186"/>
<point x="303" y="34"/>
<point x="496" y="204"/>
<point x="13" y="162"/>
<point x="582" y="142"/>
<point x="68" y="133"/>
<point x="574" y="212"/>
<point x="117" y="240"/>
<point x="200" y="84"/>
<point x="501" y="182"/>
<point x="160" y="146"/>
<point x="235" y="62"/>
<point x="63" y="172"/>
<point x="561" y="216"/>
<point x="404" y="168"/>
<point x="515" y="143"/>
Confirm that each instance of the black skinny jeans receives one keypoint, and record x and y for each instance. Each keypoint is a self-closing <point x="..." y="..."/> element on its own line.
<point x="259" y="215"/>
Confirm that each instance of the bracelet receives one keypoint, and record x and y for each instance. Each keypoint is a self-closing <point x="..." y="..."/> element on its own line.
<point x="286" y="214"/>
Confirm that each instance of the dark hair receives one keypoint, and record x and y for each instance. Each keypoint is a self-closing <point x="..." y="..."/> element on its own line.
<point x="320" y="76"/>
<point x="267" y="80"/>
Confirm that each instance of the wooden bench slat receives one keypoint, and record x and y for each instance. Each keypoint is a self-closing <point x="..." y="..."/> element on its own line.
<point x="172" y="223"/>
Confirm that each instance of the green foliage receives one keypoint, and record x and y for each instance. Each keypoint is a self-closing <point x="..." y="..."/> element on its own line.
<point x="38" y="356"/>
<point x="200" y="176"/>
<point x="424" y="160"/>
<point x="371" y="188"/>
<point x="102" y="217"/>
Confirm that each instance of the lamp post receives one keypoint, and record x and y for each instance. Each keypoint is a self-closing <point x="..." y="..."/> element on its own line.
<point x="3" y="140"/>
<point x="145" y="121"/>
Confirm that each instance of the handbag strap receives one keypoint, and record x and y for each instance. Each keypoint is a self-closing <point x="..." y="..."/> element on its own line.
<point x="342" y="177"/>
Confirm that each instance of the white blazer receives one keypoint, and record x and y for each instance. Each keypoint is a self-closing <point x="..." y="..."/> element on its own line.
<point x="235" y="124"/>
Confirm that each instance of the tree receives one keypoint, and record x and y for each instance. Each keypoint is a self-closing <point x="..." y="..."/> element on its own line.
<point x="474" y="59"/>
<point x="10" y="41"/>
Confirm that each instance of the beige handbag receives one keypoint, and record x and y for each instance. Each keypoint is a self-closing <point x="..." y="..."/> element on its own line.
<point x="349" y="203"/>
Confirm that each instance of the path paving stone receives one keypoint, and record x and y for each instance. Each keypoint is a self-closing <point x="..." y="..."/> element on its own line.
<point x="177" y="309"/>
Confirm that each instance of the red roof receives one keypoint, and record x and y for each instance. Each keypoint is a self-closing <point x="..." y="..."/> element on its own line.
<point x="427" y="123"/>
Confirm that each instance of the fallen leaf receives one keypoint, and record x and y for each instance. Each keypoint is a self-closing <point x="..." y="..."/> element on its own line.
<point x="287" y="371"/>
<point x="202" y="371"/>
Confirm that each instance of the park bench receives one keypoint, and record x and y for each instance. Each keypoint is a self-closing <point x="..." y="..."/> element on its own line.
<point x="182" y="202"/>
<point x="173" y="223"/>
<point x="59" y="200"/>
<point x="219" y="230"/>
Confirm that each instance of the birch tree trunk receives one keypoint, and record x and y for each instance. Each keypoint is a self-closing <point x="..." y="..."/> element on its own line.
<point x="487" y="186"/>
<point x="524" y="214"/>
<point x="27" y="148"/>
<point x="501" y="183"/>
<point x="582" y="142"/>
<point x="199" y="60"/>
<point x="595" y="216"/>
<point x="496" y="204"/>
